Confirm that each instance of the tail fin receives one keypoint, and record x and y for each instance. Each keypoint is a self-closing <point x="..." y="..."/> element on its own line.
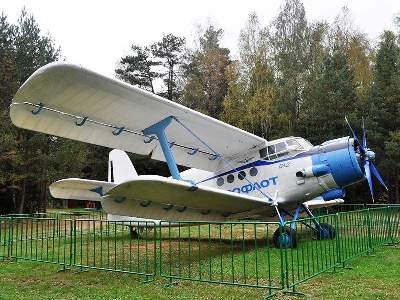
<point x="120" y="167"/>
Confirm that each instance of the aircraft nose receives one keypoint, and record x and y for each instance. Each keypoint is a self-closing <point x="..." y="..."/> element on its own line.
<point x="339" y="158"/>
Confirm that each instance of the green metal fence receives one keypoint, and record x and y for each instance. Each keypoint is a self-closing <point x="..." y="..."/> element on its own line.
<point x="314" y="254"/>
<point x="231" y="253"/>
<point x="234" y="253"/>
<point x="37" y="239"/>
<point x="243" y="253"/>
<point x="107" y="245"/>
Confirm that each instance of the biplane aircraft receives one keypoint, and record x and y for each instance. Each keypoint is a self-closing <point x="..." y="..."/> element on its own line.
<point x="232" y="175"/>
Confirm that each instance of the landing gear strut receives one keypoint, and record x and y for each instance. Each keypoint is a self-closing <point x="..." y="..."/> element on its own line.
<point x="286" y="237"/>
<point x="325" y="232"/>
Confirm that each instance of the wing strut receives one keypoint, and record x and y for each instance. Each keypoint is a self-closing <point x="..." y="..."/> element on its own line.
<point x="158" y="129"/>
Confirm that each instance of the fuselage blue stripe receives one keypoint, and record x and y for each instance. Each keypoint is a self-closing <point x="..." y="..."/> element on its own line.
<point x="259" y="163"/>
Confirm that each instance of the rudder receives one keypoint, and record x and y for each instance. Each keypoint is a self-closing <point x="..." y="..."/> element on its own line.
<point x="120" y="167"/>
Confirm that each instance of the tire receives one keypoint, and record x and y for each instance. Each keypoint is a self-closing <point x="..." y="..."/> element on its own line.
<point x="325" y="232"/>
<point x="134" y="234"/>
<point x="285" y="238"/>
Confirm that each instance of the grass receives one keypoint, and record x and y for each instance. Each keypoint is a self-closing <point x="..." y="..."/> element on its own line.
<point x="372" y="277"/>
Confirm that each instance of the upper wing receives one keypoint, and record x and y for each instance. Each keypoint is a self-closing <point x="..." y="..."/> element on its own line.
<point x="66" y="96"/>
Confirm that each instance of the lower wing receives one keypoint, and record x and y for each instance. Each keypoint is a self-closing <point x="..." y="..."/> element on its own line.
<point x="318" y="203"/>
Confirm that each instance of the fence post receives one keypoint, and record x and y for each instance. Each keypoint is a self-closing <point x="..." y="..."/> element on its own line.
<point x="284" y="271"/>
<point x="370" y="246"/>
<point x="338" y="246"/>
<point x="71" y="230"/>
<point x="10" y="238"/>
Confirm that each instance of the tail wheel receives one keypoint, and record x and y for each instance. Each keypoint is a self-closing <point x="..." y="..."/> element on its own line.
<point x="285" y="237"/>
<point x="325" y="232"/>
<point x="133" y="232"/>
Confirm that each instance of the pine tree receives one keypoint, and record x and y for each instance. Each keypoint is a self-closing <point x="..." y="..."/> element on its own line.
<point x="139" y="68"/>
<point x="25" y="159"/>
<point x="169" y="53"/>
<point x="329" y="98"/>
<point x="384" y="109"/>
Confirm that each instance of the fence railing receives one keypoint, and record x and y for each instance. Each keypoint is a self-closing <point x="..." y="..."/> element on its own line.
<point x="231" y="253"/>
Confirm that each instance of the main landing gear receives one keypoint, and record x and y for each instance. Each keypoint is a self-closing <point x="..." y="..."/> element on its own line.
<point x="286" y="236"/>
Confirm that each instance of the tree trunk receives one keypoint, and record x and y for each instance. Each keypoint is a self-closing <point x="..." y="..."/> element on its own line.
<point x="396" y="189"/>
<point x="22" y="202"/>
<point x="43" y="196"/>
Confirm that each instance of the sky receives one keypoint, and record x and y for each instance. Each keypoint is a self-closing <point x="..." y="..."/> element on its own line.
<point x="96" y="34"/>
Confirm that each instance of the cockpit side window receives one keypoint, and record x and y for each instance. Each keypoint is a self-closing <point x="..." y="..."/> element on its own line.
<point x="271" y="152"/>
<point x="304" y="143"/>
<point x="292" y="142"/>
<point x="280" y="147"/>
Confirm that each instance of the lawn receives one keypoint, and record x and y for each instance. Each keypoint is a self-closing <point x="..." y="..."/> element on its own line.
<point x="371" y="277"/>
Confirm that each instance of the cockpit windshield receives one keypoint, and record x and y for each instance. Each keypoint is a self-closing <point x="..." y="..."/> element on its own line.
<point x="284" y="147"/>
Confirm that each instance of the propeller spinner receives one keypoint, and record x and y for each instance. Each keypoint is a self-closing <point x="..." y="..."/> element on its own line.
<point x="366" y="157"/>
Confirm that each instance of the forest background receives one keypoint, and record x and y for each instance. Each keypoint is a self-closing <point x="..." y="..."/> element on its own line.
<point x="293" y="78"/>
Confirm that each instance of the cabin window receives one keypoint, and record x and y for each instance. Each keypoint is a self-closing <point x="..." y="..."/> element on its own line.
<point x="220" y="181"/>
<point x="230" y="178"/>
<point x="253" y="171"/>
<point x="242" y="175"/>
<point x="263" y="152"/>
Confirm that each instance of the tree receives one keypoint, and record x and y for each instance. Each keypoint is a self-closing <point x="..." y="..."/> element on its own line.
<point x="329" y="98"/>
<point x="25" y="159"/>
<point x="392" y="148"/>
<point x="289" y="38"/>
<point x="139" y="68"/>
<point x="169" y="52"/>
<point x="161" y="60"/>
<point x="384" y="108"/>
<point x="252" y="99"/>
<point x="344" y="36"/>
<point x="206" y="76"/>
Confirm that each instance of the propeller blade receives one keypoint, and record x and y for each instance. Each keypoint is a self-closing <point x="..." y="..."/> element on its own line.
<point x="378" y="176"/>
<point x="351" y="129"/>
<point x="369" y="179"/>
<point x="364" y="138"/>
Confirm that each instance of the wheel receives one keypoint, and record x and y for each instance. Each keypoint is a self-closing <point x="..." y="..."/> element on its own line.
<point x="133" y="233"/>
<point x="285" y="237"/>
<point x="325" y="232"/>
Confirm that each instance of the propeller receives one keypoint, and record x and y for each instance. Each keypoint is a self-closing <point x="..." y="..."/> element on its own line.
<point x="366" y="156"/>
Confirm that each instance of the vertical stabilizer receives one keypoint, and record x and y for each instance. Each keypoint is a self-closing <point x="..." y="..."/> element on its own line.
<point x="120" y="167"/>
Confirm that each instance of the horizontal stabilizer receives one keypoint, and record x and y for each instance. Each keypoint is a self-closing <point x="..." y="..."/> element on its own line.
<point x="80" y="189"/>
